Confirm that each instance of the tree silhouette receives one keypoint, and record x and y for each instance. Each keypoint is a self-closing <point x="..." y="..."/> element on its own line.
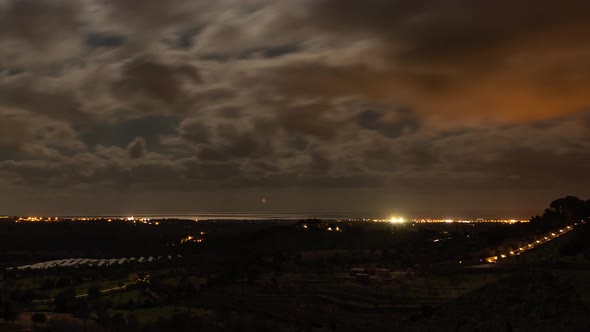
<point x="569" y="207"/>
<point x="118" y="322"/>
<point x="38" y="318"/>
<point x="93" y="294"/>
<point x="8" y="312"/>
<point x="561" y="212"/>
<point x="82" y="310"/>
<point x="64" y="300"/>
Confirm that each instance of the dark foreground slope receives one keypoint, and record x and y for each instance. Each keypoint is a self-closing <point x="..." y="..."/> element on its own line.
<point x="526" y="301"/>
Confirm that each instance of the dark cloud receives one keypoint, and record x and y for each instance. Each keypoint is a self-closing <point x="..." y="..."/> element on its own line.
<point x="375" y="103"/>
<point x="522" y="166"/>
<point x="390" y="123"/>
<point x="320" y="163"/>
<point x="194" y="131"/>
<point x="291" y="181"/>
<point x="231" y="143"/>
<point x="39" y="33"/>
<point x="458" y="31"/>
<point x="39" y="22"/>
<point x="464" y="57"/>
<point x="12" y="71"/>
<point x="152" y="15"/>
<point x="212" y="170"/>
<point x="269" y="52"/>
<point x="105" y="40"/>
<point x="24" y="135"/>
<point x="137" y="148"/>
<point x="421" y="155"/>
<point x="230" y="112"/>
<point x="319" y="79"/>
<point x="185" y="38"/>
<point x="31" y="172"/>
<point x="217" y="96"/>
<point x="236" y="144"/>
<point x="309" y="120"/>
<point x="298" y="143"/>
<point x="51" y="102"/>
<point x="150" y="128"/>
<point x="15" y="132"/>
<point x="152" y="80"/>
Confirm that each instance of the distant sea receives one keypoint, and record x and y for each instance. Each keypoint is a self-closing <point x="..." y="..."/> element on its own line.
<point x="237" y="216"/>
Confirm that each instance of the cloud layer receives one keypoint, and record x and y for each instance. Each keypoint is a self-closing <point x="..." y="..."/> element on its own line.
<point x="446" y="108"/>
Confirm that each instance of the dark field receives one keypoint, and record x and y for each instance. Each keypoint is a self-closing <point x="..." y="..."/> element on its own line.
<point x="307" y="275"/>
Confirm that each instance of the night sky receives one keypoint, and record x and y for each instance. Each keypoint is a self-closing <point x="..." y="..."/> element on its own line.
<point x="428" y="108"/>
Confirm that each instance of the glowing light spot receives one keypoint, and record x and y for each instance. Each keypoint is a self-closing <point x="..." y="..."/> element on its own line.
<point x="397" y="220"/>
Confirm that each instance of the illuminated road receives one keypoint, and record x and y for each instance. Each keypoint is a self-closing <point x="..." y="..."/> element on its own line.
<point x="549" y="237"/>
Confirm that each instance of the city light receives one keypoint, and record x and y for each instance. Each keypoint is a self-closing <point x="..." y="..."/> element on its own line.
<point x="396" y="220"/>
<point x="393" y="220"/>
<point x="529" y="246"/>
<point x="469" y="221"/>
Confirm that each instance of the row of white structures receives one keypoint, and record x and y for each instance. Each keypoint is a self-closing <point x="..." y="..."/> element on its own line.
<point x="69" y="262"/>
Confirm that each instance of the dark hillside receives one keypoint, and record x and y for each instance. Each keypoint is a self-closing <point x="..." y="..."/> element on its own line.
<point x="528" y="301"/>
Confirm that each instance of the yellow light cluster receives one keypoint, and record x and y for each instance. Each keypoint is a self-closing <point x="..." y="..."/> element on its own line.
<point x="504" y="221"/>
<point x="397" y="220"/>
<point x="36" y="219"/>
<point x="529" y="246"/>
<point x="190" y="238"/>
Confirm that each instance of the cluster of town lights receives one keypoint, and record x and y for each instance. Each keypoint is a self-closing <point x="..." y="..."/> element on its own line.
<point x="400" y="220"/>
<point x="36" y="219"/>
<point x="393" y="220"/>
<point x="397" y="220"/>
<point x="469" y="221"/>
